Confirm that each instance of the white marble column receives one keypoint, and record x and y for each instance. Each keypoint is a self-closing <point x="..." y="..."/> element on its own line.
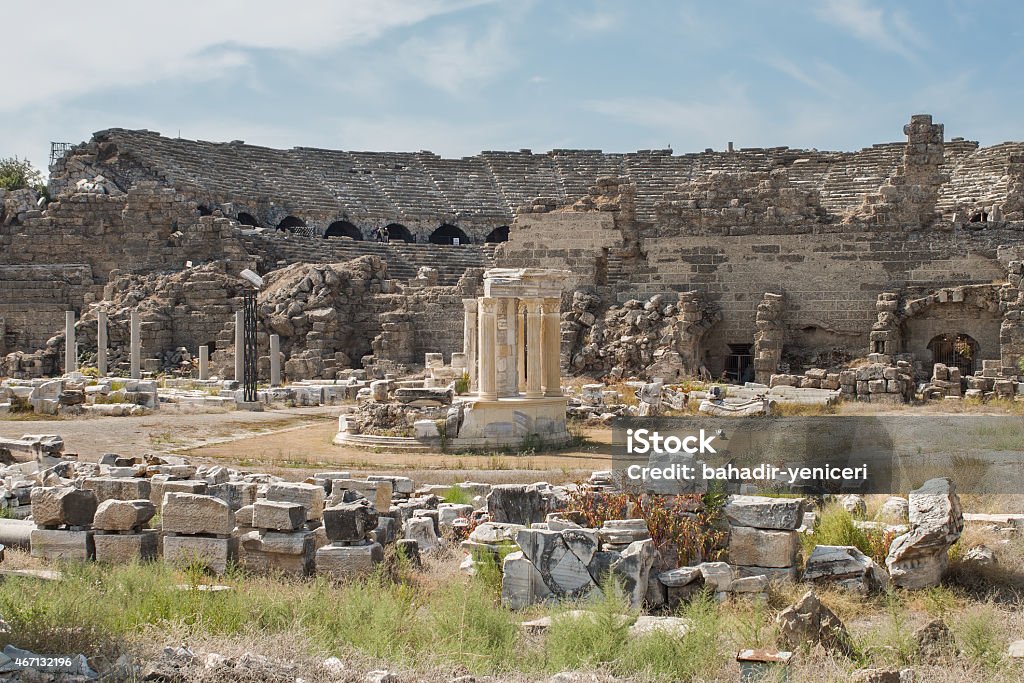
<point x="70" y="353"/>
<point x="135" y="343"/>
<point x="275" y="360"/>
<point x="486" y="347"/>
<point x="534" y="348"/>
<point x="551" y="377"/>
<point x="469" y="341"/>
<point x="101" y="342"/>
<point x="204" y="362"/>
<point x="239" y="345"/>
<point x="521" y="344"/>
<point x="508" y="371"/>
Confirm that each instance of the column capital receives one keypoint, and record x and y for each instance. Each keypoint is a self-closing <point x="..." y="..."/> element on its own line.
<point x="488" y="304"/>
<point x="551" y="305"/>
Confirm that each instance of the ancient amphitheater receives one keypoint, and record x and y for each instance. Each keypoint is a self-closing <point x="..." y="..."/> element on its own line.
<point x="759" y="260"/>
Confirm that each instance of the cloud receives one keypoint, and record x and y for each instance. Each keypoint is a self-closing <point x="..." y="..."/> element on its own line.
<point x="815" y="74"/>
<point x="890" y="31"/>
<point x="455" y="58"/>
<point x="131" y="43"/>
<point x="718" y="118"/>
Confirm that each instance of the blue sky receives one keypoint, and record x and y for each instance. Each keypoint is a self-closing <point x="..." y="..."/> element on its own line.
<point x="459" y="76"/>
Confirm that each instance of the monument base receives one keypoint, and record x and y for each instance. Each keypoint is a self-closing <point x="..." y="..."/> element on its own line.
<point x="514" y="422"/>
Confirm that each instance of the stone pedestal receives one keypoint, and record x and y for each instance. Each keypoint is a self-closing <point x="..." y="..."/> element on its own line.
<point x="115" y="548"/>
<point x="215" y="553"/>
<point x="345" y="562"/>
<point x="59" y="544"/>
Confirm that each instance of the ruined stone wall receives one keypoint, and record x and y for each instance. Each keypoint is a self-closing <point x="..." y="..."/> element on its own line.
<point x="34" y="298"/>
<point x="830" y="278"/>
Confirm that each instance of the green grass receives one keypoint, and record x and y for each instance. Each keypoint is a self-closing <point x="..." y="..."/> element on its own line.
<point x="102" y="611"/>
<point x="457" y="495"/>
<point x="835" y="526"/>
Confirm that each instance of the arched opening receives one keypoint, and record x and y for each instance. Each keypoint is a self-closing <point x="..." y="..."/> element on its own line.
<point x="248" y="219"/>
<point x="955" y="350"/>
<point x="398" y="232"/>
<point x="289" y="223"/>
<point x="497" y="235"/>
<point x="739" y="364"/>
<point x="204" y="210"/>
<point x="449" y="234"/>
<point x="343" y="229"/>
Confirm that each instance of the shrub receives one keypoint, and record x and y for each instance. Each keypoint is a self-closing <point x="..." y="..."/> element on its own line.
<point x="836" y="527"/>
<point x="457" y="495"/>
<point x="19" y="174"/>
<point x="462" y="384"/>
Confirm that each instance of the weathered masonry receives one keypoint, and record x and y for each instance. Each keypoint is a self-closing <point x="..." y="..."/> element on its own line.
<point x="757" y="260"/>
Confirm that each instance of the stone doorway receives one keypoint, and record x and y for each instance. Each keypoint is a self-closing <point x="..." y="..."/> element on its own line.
<point x="955" y="350"/>
<point x="739" y="364"/>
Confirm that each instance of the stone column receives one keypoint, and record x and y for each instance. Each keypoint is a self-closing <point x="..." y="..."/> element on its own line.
<point x="551" y="376"/>
<point x="275" y="360"/>
<point x="136" y="345"/>
<point x="70" y="355"/>
<point x="534" y="348"/>
<point x="521" y="344"/>
<point x="204" y="362"/>
<point x="486" y="348"/>
<point x="101" y="342"/>
<point x="469" y="341"/>
<point x="239" y="345"/>
<point x="508" y="371"/>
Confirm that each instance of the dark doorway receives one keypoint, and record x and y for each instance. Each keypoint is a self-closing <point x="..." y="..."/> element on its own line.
<point x="955" y="350"/>
<point x="289" y="223"/>
<point x="497" y="235"/>
<point x="204" y="210"/>
<point x="449" y="234"/>
<point x="739" y="366"/>
<point x="397" y="231"/>
<point x="343" y="229"/>
<point x="248" y="219"/>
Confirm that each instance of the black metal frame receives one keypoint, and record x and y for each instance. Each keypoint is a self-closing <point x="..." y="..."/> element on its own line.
<point x="249" y="356"/>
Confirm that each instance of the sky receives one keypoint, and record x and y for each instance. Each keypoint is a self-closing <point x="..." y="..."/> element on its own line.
<point x="460" y="76"/>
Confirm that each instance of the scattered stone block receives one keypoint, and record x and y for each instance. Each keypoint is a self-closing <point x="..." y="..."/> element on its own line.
<point x="214" y="553"/>
<point x="277" y="516"/>
<point x="63" y="505"/>
<point x="349" y="522"/>
<point x="120" y="488"/>
<point x="309" y="496"/>
<point x="808" y="621"/>
<point x="191" y="514"/>
<point x="123" y="515"/>
<point x="290" y="553"/>
<point x="344" y="562"/>
<point x="762" y="512"/>
<point x="59" y="544"/>
<point x="763" y="547"/>
<point x="127" y="548"/>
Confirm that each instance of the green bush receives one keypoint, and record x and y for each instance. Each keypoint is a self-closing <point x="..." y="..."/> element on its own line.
<point x="19" y="174"/>
<point x="836" y="526"/>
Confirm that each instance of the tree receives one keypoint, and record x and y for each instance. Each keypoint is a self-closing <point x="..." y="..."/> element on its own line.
<point x="18" y="174"/>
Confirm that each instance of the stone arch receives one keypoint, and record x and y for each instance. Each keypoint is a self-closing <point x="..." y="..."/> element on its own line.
<point x="968" y="311"/>
<point x="398" y="232"/>
<point x="497" y="235"/>
<point x="343" y="229"/>
<point x="245" y="218"/>
<point x="447" y="234"/>
<point x="290" y="223"/>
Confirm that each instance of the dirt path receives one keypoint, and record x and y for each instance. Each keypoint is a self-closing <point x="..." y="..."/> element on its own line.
<point x="165" y="430"/>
